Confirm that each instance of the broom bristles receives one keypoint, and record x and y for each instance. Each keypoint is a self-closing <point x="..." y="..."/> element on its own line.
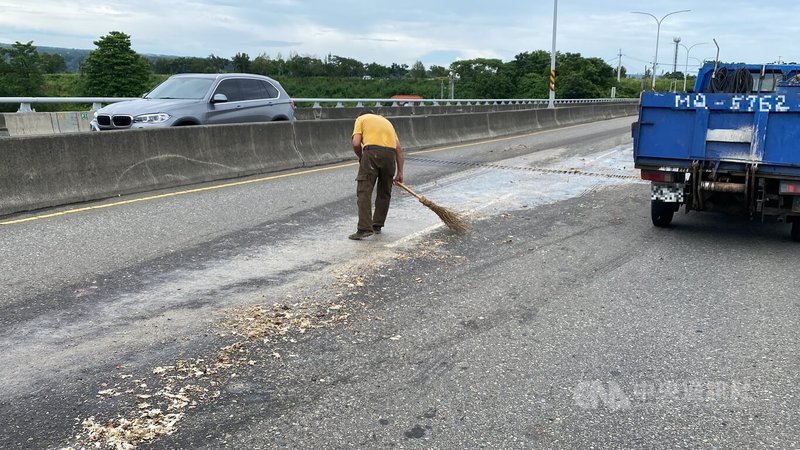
<point x="452" y="219"/>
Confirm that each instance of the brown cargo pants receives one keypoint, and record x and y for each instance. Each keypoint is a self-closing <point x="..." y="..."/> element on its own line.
<point x="377" y="167"/>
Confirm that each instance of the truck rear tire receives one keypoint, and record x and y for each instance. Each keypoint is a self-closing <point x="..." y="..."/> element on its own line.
<point x="661" y="213"/>
<point x="796" y="231"/>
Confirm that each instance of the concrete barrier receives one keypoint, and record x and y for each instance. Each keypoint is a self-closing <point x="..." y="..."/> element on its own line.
<point x="513" y="122"/>
<point x="324" y="142"/>
<point x="33" y="124"/>
<point x="29" y="124"/>
<point x="563" y="116"/>
<point x="451" y="128"/>
<point x="46" y="171"/>
<point x="546" y="118"/>
<point x="582" y="114"/>
<point x="44" y="123"/>
<point x="65" y="122"/>
<point x="615" y="111"/>
<point x="84" y="120"/>
<point x="404" y="126"/>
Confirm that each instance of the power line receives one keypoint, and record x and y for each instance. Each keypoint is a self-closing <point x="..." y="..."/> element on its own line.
<point x="636" y="59"/>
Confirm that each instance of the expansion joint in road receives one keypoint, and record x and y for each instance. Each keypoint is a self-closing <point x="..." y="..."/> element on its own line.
<point x="548" y="170"/>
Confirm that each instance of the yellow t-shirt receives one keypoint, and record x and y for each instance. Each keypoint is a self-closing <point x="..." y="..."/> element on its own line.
<point x="375" y="130"/>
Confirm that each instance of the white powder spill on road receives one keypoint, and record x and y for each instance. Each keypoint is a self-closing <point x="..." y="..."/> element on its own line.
<point x="191" y="299"/>
<point x="490" y="191"/>
<point x="479" y="192"/>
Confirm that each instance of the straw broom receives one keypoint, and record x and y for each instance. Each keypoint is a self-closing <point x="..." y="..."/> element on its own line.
<point x="452" y="219"/>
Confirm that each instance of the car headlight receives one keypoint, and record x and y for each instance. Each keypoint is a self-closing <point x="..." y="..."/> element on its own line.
<point x="151" y="118"/>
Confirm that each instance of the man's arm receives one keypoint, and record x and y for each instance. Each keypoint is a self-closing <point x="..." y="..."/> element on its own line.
<point x="357" y="144"/>
<point x="398" y="156"/>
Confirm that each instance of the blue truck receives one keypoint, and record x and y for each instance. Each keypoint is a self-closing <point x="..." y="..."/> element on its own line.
<point x="731" y="145"/>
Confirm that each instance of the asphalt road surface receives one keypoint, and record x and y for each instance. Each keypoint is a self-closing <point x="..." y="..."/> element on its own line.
<point x="240" y="316"/>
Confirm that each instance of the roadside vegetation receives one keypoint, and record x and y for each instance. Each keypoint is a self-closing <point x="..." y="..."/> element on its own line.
<point x="114" y="69"/>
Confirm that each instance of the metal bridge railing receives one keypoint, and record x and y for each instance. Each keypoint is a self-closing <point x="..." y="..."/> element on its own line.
<point x="26" y="102"/>
<point x="97" y="102"/>
<point x="380" y="102"/>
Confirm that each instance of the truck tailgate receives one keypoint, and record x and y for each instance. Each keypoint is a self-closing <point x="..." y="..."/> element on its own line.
<point x="739" y="129"/>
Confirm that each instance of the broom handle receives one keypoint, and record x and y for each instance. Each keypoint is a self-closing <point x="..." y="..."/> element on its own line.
<point x="408" y="189"/>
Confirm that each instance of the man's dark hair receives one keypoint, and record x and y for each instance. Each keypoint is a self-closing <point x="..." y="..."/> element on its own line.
<point x="366" y="111"/>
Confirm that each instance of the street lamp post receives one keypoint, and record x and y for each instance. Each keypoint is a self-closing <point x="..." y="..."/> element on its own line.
<point x="686" y="66"/>
<point x="551" y="103"/>
<point x="658" y="35"/>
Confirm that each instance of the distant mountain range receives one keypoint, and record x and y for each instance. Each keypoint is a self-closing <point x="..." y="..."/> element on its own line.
<point x="75" y="56"/>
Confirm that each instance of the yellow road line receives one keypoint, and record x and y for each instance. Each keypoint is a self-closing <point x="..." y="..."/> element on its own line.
<point x="255" y="180"/>
<point x="171" y="194"/>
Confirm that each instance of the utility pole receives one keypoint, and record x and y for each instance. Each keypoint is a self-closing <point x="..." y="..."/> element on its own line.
<point x="677" y="41"/>
<point x="551" y="104"/>
<point x="619" y="65"/>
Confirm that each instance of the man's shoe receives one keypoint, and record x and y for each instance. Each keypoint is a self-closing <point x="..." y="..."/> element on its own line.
<point x="376" y="229"/>
<point x="359" y="235"/>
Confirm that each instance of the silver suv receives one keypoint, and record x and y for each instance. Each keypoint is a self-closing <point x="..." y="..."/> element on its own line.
<point x="200" y="99"/>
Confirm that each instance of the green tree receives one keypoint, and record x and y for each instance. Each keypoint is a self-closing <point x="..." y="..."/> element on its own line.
<point x="305" y="66"/>
<point x="114" y="69"/>
<point x="525" y="76"/>
<point x="241" y="63"/>
<point x="437" y="71"/>
<point x="261" y="64"/>
<point x="532" y="85"/>
<point x="376" y="70"/>
<point x="580" y="77"/>
<point x="630" y="87"/>
<point x="3" y="74"/>
<point x="53" y="63"/>
<point x="339" y="66"/>
<point x="418" y="71"/>
<point x="577" y="77"/>
<point x="482" y="78"/>
<point x="398" y="70"/>
<point x="22" y="76"/>
<point x="572" y="85"/>
<point x="215" y="64"/>
<point x="264" y="65"/>
<point x="537" y="62"/>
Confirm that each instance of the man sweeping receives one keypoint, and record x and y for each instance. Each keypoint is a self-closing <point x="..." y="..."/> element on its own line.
<point x="380" y="158"/>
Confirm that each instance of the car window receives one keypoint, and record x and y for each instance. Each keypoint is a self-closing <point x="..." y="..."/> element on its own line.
<point x="272" y="91"/>
<point x="184" y="88"/>
<point x="231" y="90"/>
<point x="252" y="89"/>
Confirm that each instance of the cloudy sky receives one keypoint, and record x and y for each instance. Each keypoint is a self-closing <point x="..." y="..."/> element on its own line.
<point x="432" y="31"/>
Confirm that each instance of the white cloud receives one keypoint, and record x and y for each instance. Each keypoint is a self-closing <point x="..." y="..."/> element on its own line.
<point x="387" y="32"/>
